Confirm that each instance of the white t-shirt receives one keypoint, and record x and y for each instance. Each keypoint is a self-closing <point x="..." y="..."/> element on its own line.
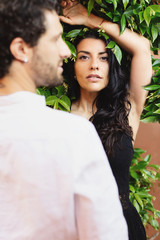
<point x="55" y="179"/>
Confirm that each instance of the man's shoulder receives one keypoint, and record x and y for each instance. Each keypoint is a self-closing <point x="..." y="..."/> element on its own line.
<point x="66" y="119"/>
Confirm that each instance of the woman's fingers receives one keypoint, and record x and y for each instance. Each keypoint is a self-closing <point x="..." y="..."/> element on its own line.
<point x="74" y="13"/>
<point x="63" y="4"/>
<point x="66" y="20"/>
<point x="68" y="3"/>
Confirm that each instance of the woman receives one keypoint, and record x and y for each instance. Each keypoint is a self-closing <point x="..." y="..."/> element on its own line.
<point x="106" y="97"/>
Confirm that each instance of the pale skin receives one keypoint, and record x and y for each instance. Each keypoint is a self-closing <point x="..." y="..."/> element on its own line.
<point x="135" y="44"/>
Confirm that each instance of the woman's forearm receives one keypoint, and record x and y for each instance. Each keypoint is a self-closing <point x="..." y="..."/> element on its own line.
<point x="130" y="41"/>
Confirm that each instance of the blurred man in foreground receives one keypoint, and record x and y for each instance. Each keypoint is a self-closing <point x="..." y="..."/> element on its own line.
<point x="55" y="180"/>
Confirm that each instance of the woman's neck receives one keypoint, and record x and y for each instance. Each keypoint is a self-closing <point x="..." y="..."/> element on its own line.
<point x="84" y="106"/>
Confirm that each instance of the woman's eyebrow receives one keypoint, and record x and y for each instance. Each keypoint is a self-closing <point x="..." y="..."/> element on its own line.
<point x="86" y="52"/>
<point x="103" y="53"/>
<point x="83" y="52"/>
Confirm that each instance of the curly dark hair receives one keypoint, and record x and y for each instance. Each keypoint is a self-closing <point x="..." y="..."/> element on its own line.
<point x="112" y="102"/>
<point x="24" y="19"/>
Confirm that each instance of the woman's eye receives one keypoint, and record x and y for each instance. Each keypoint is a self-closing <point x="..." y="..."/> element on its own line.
<point x="104" y="58"/>
<point x="83" y="57"/>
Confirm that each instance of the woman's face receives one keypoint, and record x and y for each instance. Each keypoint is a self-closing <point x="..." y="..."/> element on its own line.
<point x="91" y="66"/>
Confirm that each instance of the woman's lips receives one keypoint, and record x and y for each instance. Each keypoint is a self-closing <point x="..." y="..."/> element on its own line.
<point x="94" y="78"/>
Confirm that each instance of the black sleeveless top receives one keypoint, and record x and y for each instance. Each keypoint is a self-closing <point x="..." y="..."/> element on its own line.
<point x="120" y="162"/>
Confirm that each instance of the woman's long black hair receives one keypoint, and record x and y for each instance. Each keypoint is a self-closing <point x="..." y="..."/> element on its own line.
<point x="112" y="102"/>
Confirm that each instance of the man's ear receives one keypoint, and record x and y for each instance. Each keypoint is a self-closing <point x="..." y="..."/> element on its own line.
<point x="19" y="49"/>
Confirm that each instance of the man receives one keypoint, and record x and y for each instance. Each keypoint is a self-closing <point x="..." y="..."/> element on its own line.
<point x="55" y="180"/>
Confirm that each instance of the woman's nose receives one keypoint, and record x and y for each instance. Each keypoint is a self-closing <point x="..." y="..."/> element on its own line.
<point x="94" y="64"/>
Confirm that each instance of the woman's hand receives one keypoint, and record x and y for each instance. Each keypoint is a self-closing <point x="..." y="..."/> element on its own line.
<point x="74" y="13"/>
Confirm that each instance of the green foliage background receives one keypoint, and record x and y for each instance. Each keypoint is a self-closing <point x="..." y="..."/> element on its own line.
<point x="142" y="176"/>
<point x="142" y="16"/>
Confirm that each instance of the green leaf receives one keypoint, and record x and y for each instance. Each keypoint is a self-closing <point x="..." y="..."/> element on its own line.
<point x="140" y="165"/>
<point x="158" y="176"/>
<point x="136" y="205"/>
<point x="157" y="74"/>
<point x="109" y="1"/>
<point x="143" y="195"/>
<point x="154" y="223"/>
<point x="149" y="174"/>
<point x="115" y="4"/>
<point x="134" y="161"/>
<point x="90" y="6"/>
<point x="40" y="91"/>
<point x="72" y="48"/>
<point x="147" y="158"/>
<point x="125" y="3"/>
<point x="152" y="87"/>
<point x="131" y="188"/>
<point x="155" y="166"/>
<point x="139" y="150"/>
<point x="139" y="200"/>
<point x="149" y="208"/>
<point x="54" y="91"/>
<point x="151" y="107"/>
<point x="158" y="105"/>
<point x="116" y="19"/>
<point x="145" y="218"/>
<point x="129" y="11"/>
<point x="64" y="104"/>
<point x="55" y="106"/>
<point x="50" y="101"/>
<point x="73" y="33"/>
<point x="118" y="53"/>
<point x="142" y="29"/>
<point x="109" y="14"/>
<point x="157" y="213"/>
<point x="43" y="91"/>
<point x="141" y="17"/>
<point x="60" y="90"/>
<point x="149" y="119"/>
<point x="154" y="31"/>
<point x="134" y="175"/>
<point x="136" y="9"/>
<point x="123" y="23"/>
<point x="156" y="63"/>
<point x="155" y="8"/>
<point x="111" y="44"/>
<point x="67" y="100"/>
<point x="99" y="2"/>
<point x="104" y="35"/>
<point x="155" y="79"/>
<point x="157" y="111"/>
<point x="147" y="16"/>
